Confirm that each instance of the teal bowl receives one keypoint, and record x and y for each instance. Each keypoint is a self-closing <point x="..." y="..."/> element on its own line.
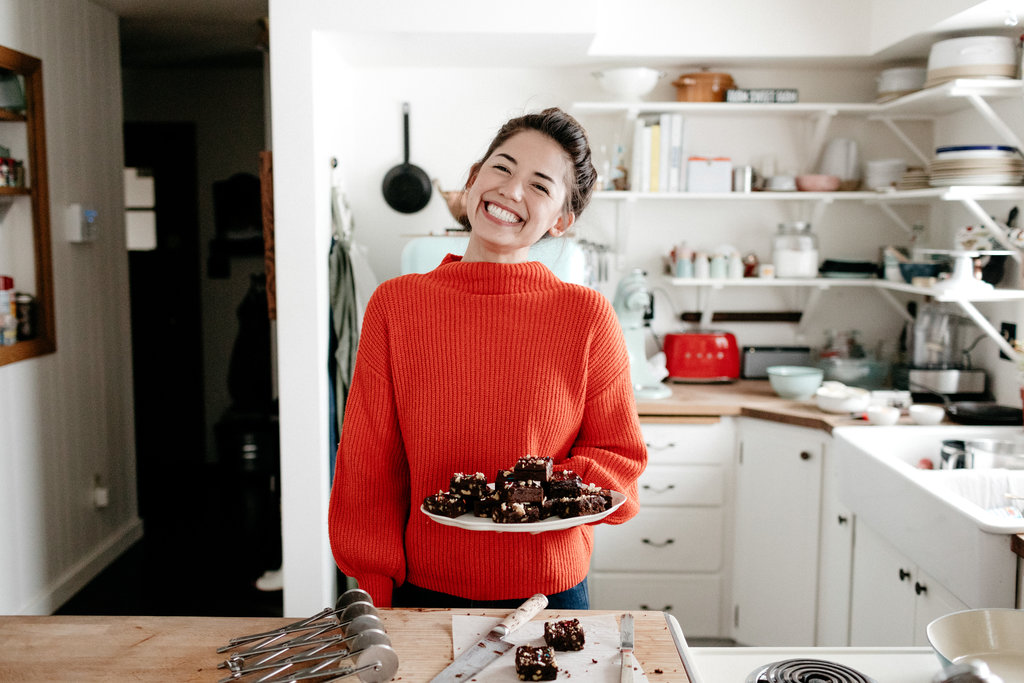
<point x="797" y="382"/>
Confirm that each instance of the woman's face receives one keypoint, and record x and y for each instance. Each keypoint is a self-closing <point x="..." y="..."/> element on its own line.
<point x="516" y="197"/>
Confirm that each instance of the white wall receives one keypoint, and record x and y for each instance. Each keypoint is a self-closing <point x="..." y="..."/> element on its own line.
<point x="66" y="418"/>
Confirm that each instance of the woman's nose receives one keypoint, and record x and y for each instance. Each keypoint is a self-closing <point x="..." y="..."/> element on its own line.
<point x="513" y="189"/>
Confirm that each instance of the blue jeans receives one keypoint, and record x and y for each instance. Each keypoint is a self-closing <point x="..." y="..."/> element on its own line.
<point x="408" y="595"/>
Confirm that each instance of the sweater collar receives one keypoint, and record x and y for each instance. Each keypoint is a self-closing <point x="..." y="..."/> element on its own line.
<point x="479" y="277"/>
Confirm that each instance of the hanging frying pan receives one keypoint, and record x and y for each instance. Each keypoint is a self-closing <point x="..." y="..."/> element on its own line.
<point x="406" y="187"/>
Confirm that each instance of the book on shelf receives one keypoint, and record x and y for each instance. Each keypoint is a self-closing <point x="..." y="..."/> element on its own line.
<point x="658" y="161"/>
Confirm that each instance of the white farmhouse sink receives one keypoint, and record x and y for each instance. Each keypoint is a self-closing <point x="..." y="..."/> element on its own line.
<point x="939" y="519"/>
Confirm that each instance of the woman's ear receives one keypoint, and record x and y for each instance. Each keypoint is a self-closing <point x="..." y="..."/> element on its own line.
<point x="563" y="224"/>
<point x="473" y="171"/>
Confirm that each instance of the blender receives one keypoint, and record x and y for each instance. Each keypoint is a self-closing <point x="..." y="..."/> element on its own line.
<point x="939" y="361"/>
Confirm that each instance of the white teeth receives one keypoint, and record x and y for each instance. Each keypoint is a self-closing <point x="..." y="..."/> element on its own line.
<point x="501" y="214"/>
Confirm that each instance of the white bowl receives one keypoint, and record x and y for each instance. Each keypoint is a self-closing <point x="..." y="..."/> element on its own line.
<point x="883" y="415"/>
<point x="972" y="51"/>
<point x="836" y="397"/>
<point x="900" y="80"/>
<point x="924" y="414"/>
<point x="628" y="83"/>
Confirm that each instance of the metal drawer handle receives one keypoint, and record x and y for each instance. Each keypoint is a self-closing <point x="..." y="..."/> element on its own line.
<point x="904" y="575"/>
<point x="843" y="519"/>
<point x="666" y="608"/>
<point x="805" y="455"/>
<point x="920" y="588"/>
<point x="648" y="487"/>
<point x="667" y="541"/>
<point x="667" y="446"/>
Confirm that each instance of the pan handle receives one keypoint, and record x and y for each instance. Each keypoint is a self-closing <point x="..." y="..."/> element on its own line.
<point x="405" y="128"/>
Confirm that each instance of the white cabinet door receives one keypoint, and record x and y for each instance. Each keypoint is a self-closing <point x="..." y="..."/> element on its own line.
<point x="933" y="601"/>
<point x="693" y="599"/>
<point x="835" y="561"/>
<point x="775" y="573"/>
<point x="882" y="602"/>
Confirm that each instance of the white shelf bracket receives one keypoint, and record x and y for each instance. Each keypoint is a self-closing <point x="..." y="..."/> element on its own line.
<point x="623" y="221"/>
<point x="811" y="302"/>
<point x="818" y="210"/>
<point x="986" y="327"/>
<point x="896" y="218"/>
<point x="707" y="311"/>
<point x="994" y="120"/>
<point x="998" y="230"/>
<point x="891" y="125"/>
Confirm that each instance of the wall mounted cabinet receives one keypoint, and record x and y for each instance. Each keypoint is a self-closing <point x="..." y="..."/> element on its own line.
<point x="25" y="209"/>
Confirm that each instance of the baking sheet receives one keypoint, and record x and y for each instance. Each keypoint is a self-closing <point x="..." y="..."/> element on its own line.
<point x="597" y="662"/>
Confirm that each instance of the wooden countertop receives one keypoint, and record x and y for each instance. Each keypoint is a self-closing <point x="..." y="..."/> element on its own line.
<point x="104" y="648"/>
<point x="748" y="398"/>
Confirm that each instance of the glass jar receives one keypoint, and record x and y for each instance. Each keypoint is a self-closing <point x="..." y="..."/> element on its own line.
<point x="795" y="250"/>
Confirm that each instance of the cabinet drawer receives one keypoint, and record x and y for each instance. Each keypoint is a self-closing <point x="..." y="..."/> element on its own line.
<point x="682" y="485"/>
<point x="689" y="443"/>
<point x="695" y="601"/>
<point x="661" y="539"/>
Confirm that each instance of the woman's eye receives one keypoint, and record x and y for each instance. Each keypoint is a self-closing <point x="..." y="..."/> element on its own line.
<point x="542" y="188"/>
<point x="503" y="169"/>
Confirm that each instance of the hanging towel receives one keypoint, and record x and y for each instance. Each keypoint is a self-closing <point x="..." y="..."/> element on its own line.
<point x="343" y="313"/>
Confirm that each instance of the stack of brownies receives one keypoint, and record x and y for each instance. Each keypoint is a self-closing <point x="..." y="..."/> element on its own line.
<point x="529" y="492"/>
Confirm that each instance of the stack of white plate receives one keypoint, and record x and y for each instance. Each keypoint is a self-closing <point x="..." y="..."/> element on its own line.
<point x="915" y="178"/>
<point x="976" y="165"/>
<point x="884" y="174"/>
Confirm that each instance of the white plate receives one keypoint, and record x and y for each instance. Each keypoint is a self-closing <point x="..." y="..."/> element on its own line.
<point x="471" y="523"/>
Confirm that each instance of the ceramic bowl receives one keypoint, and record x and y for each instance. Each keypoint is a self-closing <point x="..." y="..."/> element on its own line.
<point x="924" y="414"/>
<point x="797" y="382"/>
<point x="836" y="397"/>
<point x="628" y="83"/>
<point x="993" y="635"/>
<point x="817" y="182"/>
<point x="912" y="270"/>
<point x="883" y="415"/>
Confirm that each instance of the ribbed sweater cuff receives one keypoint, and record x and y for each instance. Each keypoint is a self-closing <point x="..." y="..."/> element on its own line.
<point x="379" y="587"/>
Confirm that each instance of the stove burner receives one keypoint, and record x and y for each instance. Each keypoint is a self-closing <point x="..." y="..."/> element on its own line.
<point x="807" y="671"/>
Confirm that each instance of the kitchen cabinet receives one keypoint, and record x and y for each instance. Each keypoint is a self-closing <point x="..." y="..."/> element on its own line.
<point x="778" y="520"/>
<point x="925" y="105"/>
<point x="672" y="556"/>
<point x="24" y="209"/>
<point x="835" y="558"/>
<point x="893" y="600"/>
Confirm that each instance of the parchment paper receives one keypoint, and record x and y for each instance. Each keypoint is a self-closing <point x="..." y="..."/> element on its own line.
<point x="598" y="661"/>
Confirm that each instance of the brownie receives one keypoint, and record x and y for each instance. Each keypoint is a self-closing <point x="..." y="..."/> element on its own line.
<point x="564" y="635"/>
<point x="483" y="507"/>
<point x="536" y="663"/>
<point x="579" y="506"/>
<point x="502" y="477"/>
<point x="558" y="507"/>
<point x="515" y="513"/>
<point x="469" y="485"/>
<point x="524" y="492"/>
<point x="548" y="509"/>
<point x="446" y="504"/>
<point x="533" y="467"/>
<point x="595" y="490"/>
<point x="564" y="484"/>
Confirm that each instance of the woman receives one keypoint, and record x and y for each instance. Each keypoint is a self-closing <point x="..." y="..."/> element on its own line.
<point x="467" y="368"/>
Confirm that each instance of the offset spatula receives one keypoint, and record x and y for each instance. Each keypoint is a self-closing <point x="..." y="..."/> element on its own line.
<point x="491" y="646"/>
<point x="626" y="648"/>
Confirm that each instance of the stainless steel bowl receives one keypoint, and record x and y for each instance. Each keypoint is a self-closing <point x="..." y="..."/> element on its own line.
<point x="994" y="453"/>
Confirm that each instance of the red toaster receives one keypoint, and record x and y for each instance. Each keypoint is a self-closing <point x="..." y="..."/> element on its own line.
<point x="702" y="356"/>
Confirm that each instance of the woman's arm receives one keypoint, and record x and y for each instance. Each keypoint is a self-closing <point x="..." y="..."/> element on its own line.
<point x="369" y="504"/>
<point x="609" y="449"/>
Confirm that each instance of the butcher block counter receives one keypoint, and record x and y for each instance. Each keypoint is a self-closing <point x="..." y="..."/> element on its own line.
<point x="94" y="648"/>
<point x="695" y="403"/>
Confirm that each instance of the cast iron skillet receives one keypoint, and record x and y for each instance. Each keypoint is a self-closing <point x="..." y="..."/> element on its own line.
<point x="982" y="413"/>
<point x="406" y="186"/>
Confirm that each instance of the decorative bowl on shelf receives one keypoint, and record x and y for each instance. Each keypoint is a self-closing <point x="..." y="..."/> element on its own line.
<point x="912" y="270"/>
<point x="797" y="382"/>
<point x="628" y="83"/>
<point x="817" y="182"/>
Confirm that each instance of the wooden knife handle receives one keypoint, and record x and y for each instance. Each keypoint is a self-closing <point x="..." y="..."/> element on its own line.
<point x="526" y="611"/>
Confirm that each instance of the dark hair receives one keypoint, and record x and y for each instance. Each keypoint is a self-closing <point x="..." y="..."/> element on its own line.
<point x="570" y="135"/>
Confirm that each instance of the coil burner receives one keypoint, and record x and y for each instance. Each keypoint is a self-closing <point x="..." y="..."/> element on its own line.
<point x="807" y="671"/>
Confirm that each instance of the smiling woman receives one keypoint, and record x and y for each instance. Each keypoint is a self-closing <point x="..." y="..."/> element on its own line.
<point x="468" y="368"/>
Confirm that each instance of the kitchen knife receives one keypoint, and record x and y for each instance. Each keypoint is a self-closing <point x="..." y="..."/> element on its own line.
<point x="626" y="648"/>
<point x="491" y="646"/>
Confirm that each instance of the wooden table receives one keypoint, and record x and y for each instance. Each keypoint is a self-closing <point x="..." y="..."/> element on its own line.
<point x="88" y="648"/>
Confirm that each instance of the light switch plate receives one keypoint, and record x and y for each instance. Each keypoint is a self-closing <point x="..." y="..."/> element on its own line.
<point x="81" y="223"/>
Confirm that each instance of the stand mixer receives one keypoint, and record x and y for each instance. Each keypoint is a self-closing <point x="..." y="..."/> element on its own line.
<point x="632" y="301"/>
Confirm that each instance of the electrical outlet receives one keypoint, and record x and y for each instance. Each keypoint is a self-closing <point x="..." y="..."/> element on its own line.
<point x="1009" y="332"/>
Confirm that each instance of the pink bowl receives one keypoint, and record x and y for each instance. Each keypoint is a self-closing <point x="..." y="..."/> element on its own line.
<point x="817" y="183"/>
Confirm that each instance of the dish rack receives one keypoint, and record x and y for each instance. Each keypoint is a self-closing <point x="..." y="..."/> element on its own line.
<point x="338" y="642"/>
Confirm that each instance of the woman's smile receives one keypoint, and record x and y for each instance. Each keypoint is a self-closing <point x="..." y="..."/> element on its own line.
<point x="502" y="214"/>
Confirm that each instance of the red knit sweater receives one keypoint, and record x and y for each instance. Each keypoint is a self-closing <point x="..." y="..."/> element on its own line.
<point x="466" y="369"/>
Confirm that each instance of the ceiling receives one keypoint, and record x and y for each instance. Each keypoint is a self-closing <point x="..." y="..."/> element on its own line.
<point x="190" y="33"/>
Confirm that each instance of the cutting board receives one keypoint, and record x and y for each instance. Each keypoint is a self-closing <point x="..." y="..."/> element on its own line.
<point x="93" y="648"/>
